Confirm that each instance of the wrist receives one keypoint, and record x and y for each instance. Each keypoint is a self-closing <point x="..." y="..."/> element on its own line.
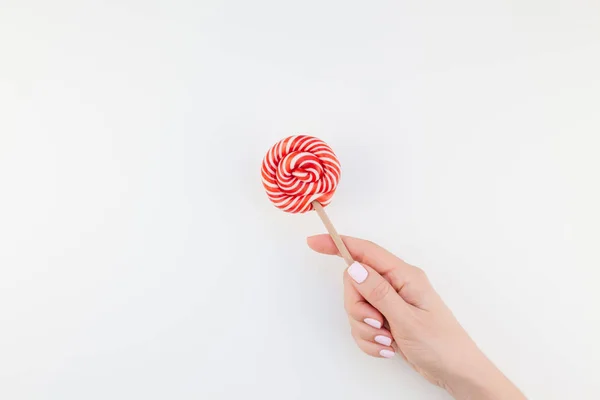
<point x="476" y="377"/>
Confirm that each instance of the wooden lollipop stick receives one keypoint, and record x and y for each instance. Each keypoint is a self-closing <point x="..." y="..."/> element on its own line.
<point x="333" y="233"/>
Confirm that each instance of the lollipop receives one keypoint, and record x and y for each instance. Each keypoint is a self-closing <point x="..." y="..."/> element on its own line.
<point x="300" y="174"/>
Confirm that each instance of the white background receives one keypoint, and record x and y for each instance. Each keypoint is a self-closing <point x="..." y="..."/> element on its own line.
<point x="140" y="257"/>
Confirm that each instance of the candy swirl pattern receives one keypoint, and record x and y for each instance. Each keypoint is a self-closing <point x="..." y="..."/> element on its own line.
<point x="298" y="170"/>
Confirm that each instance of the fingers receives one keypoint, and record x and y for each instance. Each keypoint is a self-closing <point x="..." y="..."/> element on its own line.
<point x="374" y="342"/>
<point x="357" y="307"/>
<point x="366" y="323"/>
<point x="365" y="313"/>
<point x="368" y="333"/>
<point x="377" y="291"/>
<point x="409" y="281"/>
<point x="375" y="349"/>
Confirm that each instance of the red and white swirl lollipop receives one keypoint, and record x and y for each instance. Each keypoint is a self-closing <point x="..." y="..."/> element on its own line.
<point x="300" y="174"/>
<point x="299" y="170"/>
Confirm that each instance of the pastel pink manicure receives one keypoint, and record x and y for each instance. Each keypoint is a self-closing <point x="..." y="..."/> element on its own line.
<point x="384" y="340"/>
<point x="387" y="353"/>
<point x="357" y="272"/>
<point x="373" y="322"/>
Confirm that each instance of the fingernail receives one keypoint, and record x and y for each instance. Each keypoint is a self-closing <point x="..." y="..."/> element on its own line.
<point x="387" y="353"/>
<point x="357" y="272"/>
<point x="373" y="322"/>
<point x="384" y="340"/>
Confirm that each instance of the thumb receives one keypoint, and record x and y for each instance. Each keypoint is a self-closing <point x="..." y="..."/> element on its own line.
<point x="376" y="290"/>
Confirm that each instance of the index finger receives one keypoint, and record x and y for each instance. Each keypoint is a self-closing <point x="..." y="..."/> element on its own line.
<point x="363" y="251"/>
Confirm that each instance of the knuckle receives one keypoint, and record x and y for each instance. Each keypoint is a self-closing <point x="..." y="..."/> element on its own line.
<point x="380" y="291"/>
<point x="420" y="275"/>
<point x="396" y="277"/>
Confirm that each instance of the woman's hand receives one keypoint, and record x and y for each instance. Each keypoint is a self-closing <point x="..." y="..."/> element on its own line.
<point x="392" y="308"/>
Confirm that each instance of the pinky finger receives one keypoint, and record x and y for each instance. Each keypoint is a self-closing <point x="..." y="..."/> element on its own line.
<point x="375" y="349"/>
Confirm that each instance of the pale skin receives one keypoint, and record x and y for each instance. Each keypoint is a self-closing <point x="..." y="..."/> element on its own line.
<point x="393" y="309"/>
